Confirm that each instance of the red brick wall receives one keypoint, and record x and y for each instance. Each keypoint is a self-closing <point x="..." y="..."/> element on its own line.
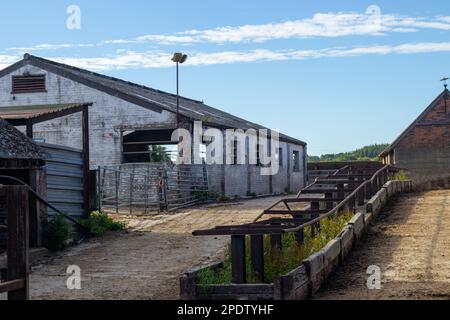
<point x="430" y="131"/>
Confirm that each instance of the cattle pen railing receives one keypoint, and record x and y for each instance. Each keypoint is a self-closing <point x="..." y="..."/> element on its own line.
<point x="149" y="188"/>
<point x="335" y="194"/>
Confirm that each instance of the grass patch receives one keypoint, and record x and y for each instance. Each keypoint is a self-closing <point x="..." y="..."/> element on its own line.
<point x="98" y="223"/>
<point x="278" y="262"/>
<point x="399" y="176"/>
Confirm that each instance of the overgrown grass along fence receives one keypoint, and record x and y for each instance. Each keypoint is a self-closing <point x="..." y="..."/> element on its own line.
<point x="278" y="261"/>
<point x="268" y="251"/>
<point x="297" y="270"/>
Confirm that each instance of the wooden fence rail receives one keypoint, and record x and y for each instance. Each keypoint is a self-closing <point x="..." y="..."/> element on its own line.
<point x="16" y="284"/>
<point x="343" y="191"/>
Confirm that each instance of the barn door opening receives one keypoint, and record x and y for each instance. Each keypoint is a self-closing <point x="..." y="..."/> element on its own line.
<point x="148" y="146"/>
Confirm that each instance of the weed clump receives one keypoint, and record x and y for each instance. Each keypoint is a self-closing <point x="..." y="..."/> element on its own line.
<point x="98" y="223"/>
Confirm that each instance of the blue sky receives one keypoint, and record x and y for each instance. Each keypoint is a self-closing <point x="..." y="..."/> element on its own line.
<point x="338" y="75"/>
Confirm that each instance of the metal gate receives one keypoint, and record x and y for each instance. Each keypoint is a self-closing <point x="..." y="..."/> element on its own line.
<point x="64" y="178"/>
<point x="149" y="188"/>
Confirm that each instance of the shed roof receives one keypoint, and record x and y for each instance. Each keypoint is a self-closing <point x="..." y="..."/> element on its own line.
<point x="152" y="99"/>
<point x="19" y="115"/>
<point x="15" y="145"/>
<point x="415" y="122"/>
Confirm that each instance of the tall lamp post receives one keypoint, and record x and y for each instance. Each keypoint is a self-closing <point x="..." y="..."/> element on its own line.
<point x="178" y="58"/>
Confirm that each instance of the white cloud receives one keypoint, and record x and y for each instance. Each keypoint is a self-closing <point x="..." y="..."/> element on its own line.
<point x="131" y="59"/>
<point x="371" y="23"/>
<point x="320" y="25"/>
<point x="6" y="60"/>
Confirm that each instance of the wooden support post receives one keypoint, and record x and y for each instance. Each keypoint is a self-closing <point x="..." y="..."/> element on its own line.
<point x="315" y="227"/>
<point x="340" y="193"/>
<point x="328" y="205"/>
<point x="34" y="217"/>
<point x="18" y="237"/>
<point x="351" y="205"/>
<point x="275" y="241"/>
<point x="86" y="162"/>
<point x="257" y="253"/>
<point x="238" y="268"/>
<point x="300" y="236"/>
<point x="29" y="129"/>
<point x="366" y="191"/>
<point x="361" y="196"/>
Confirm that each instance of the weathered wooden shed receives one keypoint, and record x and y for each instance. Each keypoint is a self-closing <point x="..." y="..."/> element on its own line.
<point x="22" y="159"/>
<point x="424" y="147"/>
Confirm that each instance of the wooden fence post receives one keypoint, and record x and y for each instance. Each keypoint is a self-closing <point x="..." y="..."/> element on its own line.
<point x="238" y="268"/>
<point x="257" y="253"/>
<point x="275" y="241"/>
<point x="18" y="239"/>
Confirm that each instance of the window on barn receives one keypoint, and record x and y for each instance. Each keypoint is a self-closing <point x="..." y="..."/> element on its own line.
<point x="296" y="161"/>
<point x="28" y="84"/>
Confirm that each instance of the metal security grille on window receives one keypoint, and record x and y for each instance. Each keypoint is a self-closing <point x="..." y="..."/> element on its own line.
<point x="28" y="84"/>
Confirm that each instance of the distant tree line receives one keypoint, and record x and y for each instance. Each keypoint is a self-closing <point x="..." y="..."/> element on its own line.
<point x="370" y="152"/>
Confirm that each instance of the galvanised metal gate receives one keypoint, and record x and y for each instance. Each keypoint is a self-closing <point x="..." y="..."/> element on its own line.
<point x="149" y="188"/>
<point x="64" y="179"/>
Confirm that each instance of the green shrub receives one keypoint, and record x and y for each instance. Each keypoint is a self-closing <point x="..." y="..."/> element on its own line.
<point x="251" y="194"/>
<point x="399" y="176"/>
<point x="98" y="223"/>
<point x="56" y="233"/>
<point x="223" y="198"/>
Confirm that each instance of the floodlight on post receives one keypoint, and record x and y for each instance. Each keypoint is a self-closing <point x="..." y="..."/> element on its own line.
<point x="178" y="58"/>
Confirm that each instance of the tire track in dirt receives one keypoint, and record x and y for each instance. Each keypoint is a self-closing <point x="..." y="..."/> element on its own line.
<point x="147" y="261"/>
<point x="410" y="242"/>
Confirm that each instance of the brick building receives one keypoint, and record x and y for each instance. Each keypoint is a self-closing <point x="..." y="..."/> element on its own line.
<point x="424" y="147"/>
<point x="126" y="118"/>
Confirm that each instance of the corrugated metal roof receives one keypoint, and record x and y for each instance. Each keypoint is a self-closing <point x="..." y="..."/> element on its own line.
<point x="144" y="96"/>
<point x="36" y="111"/>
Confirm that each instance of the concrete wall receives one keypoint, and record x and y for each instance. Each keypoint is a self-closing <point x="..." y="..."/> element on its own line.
<point x="424" y="164"/>
<point x="242" y="180"/>
<point x="108" y="115"/>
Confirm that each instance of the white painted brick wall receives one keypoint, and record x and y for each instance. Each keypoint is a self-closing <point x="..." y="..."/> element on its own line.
<point x="107" y="115"/>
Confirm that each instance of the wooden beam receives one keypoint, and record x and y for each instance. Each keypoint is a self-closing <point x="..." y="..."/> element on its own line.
<point x="29" y="129"/>
<point x="238" y="267"/>
<point x="86" y="151"/>
<point x="13" y="285"/>
<point x="18" y="237"/>
<point x="257" y="254"/>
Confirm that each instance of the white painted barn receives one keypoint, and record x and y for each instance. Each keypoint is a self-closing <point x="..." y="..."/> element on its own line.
<point x="126" y="118"/>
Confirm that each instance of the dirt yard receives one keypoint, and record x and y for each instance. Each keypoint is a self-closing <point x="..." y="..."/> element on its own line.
<point x="410" y="242"/>
<point x="146" y="261"/>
